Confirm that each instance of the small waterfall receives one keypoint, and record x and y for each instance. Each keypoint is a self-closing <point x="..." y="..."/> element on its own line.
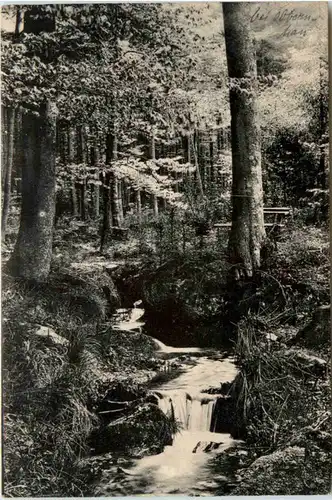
<point x="194" y="412"/>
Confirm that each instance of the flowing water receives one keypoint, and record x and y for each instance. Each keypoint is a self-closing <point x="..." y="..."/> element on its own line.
<point x="185" y="467"/>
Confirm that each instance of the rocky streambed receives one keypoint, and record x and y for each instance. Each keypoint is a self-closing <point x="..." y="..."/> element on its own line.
<point x="192" y="400"/>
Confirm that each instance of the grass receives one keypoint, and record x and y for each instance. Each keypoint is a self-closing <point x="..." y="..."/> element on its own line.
<point x="52" y="386"/>
<point x="282" y="390"/>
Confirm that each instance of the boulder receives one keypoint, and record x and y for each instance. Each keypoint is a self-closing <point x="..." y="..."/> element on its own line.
<point x="224" y="415"/>
<point x="317" y="333"/>
<point x="145" y="431"/>
<point x="284" y="472"/>
<point x="91" y="296"/>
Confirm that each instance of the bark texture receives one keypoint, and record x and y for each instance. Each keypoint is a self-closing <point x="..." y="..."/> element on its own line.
<point x="247" y="231"/>
<point x="7" y="187"/>
<point x="31" y="258"/>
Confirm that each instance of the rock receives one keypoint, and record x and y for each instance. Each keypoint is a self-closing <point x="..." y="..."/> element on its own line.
<point x="146" y="428"/>
<point x="272" y="337"/>
<point x="223" y="419"/>
<point x="49" y="333"/>
<point x="90" y="297"/>
<point x="224" y="389"/>
<point x="206" y="446"/>
<point x="317" y="332"/>
<point x="284" y="472"/>
<point x="111" y="267"/>
<point x="313" y="364"/>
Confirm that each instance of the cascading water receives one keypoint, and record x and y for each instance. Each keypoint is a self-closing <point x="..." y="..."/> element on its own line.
<point x="193" y="412"/>
<point x="185" y="467"/>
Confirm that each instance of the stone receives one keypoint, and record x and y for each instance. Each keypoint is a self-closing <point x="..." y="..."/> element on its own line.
<point x="206" y="446"/>
<point x="146" y="428"/>
<point x="284" y="472"/>
<point x="317" y="333"/>
<point x="50" y="334"/>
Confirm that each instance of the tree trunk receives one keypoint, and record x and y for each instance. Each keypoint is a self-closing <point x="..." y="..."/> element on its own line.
<point x="4" y="145"/>
<point x="82" y="157"/>
<point x="187" y="152"/>
<point x="139" y="205"/>
<point x="8" y="173"/>
<point x="247" y="232"/>
<point x="153" y="157"/>
<point x="18" y="22"/>
<point x="212" y="166"/>
<point x="71" y="159"/>
<point x="31" y="258"/>
<point x="107" y="215"/>
<point x="96" y="187"/>
<point x="196" y="163"/>
<point x="115" y="189"/>
<point x="110" y="193"/>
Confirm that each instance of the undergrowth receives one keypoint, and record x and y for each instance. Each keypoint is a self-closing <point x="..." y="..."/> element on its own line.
<point x="57" y="367"/>
<point x="282" y="389"/>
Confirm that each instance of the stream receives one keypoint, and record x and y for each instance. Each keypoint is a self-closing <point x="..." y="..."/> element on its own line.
<point x="186" y="467"/>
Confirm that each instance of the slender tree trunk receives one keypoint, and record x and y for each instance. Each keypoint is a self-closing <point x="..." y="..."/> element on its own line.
<point x="115" y="190"/>
<point x="31" y="258"/>
<point x="187" y="152"/>
<point x="120" y="202"/>
<point x="247" y="231"/>
<point x="212" y="166"/>
<point x="153" y="157"/>
<point x="219" y="135"/>
<point x="196" y="163"/>
<point x="106" y="180"/>
<point x="4" y="145"/>
<point x="96" y="187"/>
<point x="139" y="205"/>
<point x="72" y="157"/>
<point x="82" y="156"/>
<point x="8" y="173"/>
<point x="107" y="215"/>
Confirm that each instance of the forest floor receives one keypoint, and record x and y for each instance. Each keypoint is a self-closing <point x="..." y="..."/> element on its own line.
<point x="63" y="362"/>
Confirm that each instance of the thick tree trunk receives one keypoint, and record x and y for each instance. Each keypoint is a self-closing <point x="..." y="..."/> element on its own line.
<point x="7" y="188"/>
<point x="247" y="232"/>
<point x="18" y="22"/>
<point x="31" y="258"/>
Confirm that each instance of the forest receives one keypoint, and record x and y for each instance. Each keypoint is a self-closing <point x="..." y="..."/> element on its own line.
<point x="165" y="249"/>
